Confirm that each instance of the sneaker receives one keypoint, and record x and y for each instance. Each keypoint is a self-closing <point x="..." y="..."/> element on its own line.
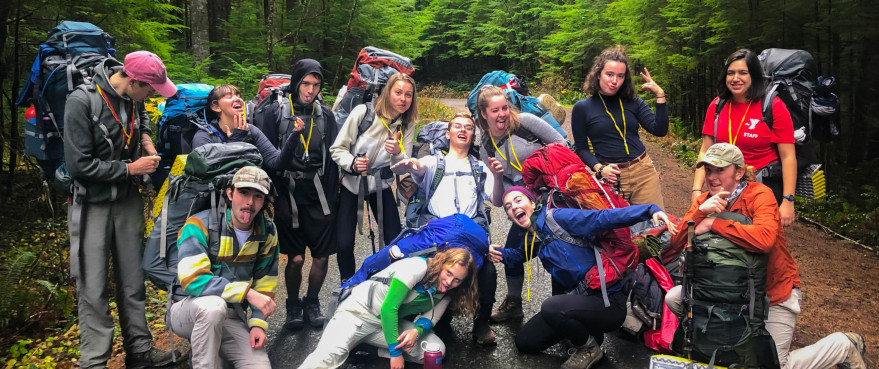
<point x="311" y="312"/>
<point x="582" y="357"/>
<point x="149" y="359"/>
<point x="855" y="359"/>
<point x="483" y="334"/>
<point x="294" y="315"/>
<point x="510" y="308"/>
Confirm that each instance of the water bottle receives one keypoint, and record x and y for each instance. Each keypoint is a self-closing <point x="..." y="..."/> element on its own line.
<point x="433" y="357"/>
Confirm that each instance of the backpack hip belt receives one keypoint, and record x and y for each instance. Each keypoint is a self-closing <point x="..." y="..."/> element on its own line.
<point x="291" y="185"/>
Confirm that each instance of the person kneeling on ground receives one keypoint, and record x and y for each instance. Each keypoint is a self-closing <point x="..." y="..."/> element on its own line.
<point x="732" y="188"/>
<point x="373" y="312"/>
<point x="221" y="283"/>
<point x="582" y="316"/>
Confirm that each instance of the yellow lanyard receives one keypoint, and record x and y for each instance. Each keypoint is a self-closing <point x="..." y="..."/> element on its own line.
<point x="399" y="141"/>
<point x="308" y="141"/>
<point x="623" y="112"/>
<point x="733" y="139"/>
<point x="529" y="254"/>
<point x="517" y="165"/>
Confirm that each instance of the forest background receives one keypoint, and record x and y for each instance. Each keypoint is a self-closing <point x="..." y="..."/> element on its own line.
<point x="551" y="43"/>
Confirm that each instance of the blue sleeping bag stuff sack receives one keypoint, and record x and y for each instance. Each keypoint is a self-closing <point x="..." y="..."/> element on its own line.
<point x="452" y="231"/>
<point x="517" y="96"/>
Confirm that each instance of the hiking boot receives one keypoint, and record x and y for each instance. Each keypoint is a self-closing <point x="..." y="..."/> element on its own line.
<point x="510" y="308"/>
<point x="855" y="359"/>
<point x="294" y="315"/>
<point x="582" y="357"/>
<point x="483" y="334"/>
<point x="149" y="359"/>
<point x="311" y="312"/>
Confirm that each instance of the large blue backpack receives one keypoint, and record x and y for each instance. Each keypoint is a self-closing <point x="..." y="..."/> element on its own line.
<point x="184" y="114"/>
<point x="66" y="61"/>
<point x="517" y="94"/>
<point x="456" y="230"/>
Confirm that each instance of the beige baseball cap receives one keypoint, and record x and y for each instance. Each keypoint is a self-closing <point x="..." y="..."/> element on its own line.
<point x="721" y="155"/>
<point x="252" y="177"/>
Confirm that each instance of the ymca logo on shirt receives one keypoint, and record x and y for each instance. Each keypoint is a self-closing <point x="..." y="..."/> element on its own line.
<point x="751" y="127"/>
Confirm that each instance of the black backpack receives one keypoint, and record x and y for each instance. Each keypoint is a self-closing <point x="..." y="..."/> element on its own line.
<point x="64" y="62"/>
<point x="209" y="169"/>
<point x="728" y="304"/>
<point x="793" y="78"/>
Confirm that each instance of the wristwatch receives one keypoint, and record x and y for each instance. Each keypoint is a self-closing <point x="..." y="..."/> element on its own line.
<point x="789" y="198"/>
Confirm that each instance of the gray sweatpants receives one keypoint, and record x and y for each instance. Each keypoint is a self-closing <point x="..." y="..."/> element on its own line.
<point x="111" y="229"/>
<point x="780" y="323"/>
<point x="215" y="331"/>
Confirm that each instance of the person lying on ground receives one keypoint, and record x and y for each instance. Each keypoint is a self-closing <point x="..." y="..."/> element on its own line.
<point x="374" y="311"/>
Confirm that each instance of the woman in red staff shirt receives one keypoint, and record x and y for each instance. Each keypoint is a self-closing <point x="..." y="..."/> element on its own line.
<point x="769" y="152"/>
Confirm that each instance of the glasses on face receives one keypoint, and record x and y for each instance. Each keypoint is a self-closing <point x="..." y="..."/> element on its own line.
<point x="466" y="127"/>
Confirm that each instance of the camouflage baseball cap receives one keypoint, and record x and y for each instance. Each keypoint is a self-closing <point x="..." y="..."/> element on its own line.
<point x="252" y="177"/>
<point x="721" y="155"/>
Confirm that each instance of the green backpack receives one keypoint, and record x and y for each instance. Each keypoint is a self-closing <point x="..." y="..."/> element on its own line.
<point x="728" y="304"/>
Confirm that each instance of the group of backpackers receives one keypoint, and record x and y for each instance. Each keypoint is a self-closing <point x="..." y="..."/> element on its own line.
<point x="290" y="152"/>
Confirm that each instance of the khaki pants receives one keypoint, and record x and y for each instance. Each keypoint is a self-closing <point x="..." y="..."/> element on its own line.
<point x="780" y="323"/>
<point x="214" y="331"/>
<point x="640" y="183"/>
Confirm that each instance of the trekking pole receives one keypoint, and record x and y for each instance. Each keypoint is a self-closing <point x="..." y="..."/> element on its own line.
<point x="371" y="233"/>
<point x="687" y="266"/>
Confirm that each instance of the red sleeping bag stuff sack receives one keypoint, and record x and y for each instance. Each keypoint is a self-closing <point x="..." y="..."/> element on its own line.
<point x="558" y="173"/>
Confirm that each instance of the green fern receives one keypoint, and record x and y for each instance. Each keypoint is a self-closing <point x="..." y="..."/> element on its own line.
<point x="18" y="264"/>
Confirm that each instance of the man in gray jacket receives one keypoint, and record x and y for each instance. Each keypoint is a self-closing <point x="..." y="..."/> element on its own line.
<point x="106" y="134"/>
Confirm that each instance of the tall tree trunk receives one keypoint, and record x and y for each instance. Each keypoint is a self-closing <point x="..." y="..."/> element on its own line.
<point x="303" y="11"/>
<point x="198" y="23"/>
<point x="338" y="74"/>
<point x="218" y="13"/>
<point x="6" y="65"/>
<point x="268" y="7"/>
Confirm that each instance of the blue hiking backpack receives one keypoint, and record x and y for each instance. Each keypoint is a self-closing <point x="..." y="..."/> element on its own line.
<point x="456" y="230"/>
<point x="66" y="61"/>
<point x="517" y="94"/>
<point x="184" y="114"/>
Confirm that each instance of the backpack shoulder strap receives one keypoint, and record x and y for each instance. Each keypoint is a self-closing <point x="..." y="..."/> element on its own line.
<point x="438" y="175"/>
<point x="367" y="120"/>
<point x="767" y="104"/>
<point x="718" y="107"/>
<point x="95" y="106"/>
<point x="560" y="233"/>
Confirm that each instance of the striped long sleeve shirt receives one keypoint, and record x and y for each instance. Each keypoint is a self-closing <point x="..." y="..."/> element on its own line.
<point x="226" y="266"/>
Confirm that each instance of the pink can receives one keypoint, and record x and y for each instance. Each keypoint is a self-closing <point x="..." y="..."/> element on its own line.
<point x="433" y="357"/>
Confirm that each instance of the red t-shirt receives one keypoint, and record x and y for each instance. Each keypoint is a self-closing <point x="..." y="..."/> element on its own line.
<point x="754" y="137"/>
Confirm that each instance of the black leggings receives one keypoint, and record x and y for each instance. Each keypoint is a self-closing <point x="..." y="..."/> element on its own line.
<point x="346" y="226"/>
<point x="575" y="317"/>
